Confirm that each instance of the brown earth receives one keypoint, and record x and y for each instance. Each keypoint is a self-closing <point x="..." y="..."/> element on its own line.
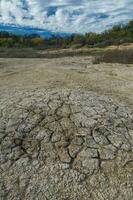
<point x="66" y="129"/>
<point x="114" y="80"/>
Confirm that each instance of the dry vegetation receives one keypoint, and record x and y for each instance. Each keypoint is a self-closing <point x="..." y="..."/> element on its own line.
<point x="116" y="56"/>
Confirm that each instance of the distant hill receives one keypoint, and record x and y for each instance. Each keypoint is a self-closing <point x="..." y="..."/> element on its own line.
<point x="21" y="30"/>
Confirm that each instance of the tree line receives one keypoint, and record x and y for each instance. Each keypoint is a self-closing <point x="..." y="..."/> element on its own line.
<point x="117" y="35"/>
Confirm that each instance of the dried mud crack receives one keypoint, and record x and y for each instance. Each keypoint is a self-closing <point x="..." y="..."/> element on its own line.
<point x="59" y="145"/>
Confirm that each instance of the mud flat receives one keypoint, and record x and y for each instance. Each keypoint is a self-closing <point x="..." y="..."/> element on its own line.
<point x="115" y="80"/>
<point x="66" y="129"/>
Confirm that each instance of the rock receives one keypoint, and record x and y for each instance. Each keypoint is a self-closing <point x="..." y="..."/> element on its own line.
<point x="64" y="145"/>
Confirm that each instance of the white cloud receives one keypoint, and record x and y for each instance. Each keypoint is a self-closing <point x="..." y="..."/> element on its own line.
<point x="66" y="15"/>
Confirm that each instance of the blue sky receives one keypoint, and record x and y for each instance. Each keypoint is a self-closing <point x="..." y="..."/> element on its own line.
<point x="68" y="16"/>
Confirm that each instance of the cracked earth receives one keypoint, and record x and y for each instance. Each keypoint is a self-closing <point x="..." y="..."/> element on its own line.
<point x="64" y="132"/>
<point x="65" y="145"/>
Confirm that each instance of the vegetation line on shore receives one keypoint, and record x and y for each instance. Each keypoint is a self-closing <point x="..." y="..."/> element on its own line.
<point x="119" y="34"/>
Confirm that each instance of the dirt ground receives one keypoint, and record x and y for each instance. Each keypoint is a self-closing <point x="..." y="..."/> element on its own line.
<point x="60" y="137"/>
<point x="115" y="80"/>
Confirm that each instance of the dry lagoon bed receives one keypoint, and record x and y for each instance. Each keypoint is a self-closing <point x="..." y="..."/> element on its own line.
<point x="66" y="129"/>
<point x="68" y="73"/>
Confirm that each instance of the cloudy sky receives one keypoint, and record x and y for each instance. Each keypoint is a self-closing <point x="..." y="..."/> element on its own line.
<point x="71" y="16"/>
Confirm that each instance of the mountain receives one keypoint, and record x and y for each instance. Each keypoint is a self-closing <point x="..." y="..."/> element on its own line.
<point x="21" y="30"/>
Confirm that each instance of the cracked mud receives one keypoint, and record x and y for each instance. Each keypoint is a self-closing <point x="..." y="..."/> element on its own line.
<point x="65" y="145"/>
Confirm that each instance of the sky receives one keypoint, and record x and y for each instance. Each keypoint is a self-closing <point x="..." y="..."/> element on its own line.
<point x="66" y="16"/>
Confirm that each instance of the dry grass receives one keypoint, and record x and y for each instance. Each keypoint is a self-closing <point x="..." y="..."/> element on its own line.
<point x="34" y="53"/>
<point x="116" y="56"/>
